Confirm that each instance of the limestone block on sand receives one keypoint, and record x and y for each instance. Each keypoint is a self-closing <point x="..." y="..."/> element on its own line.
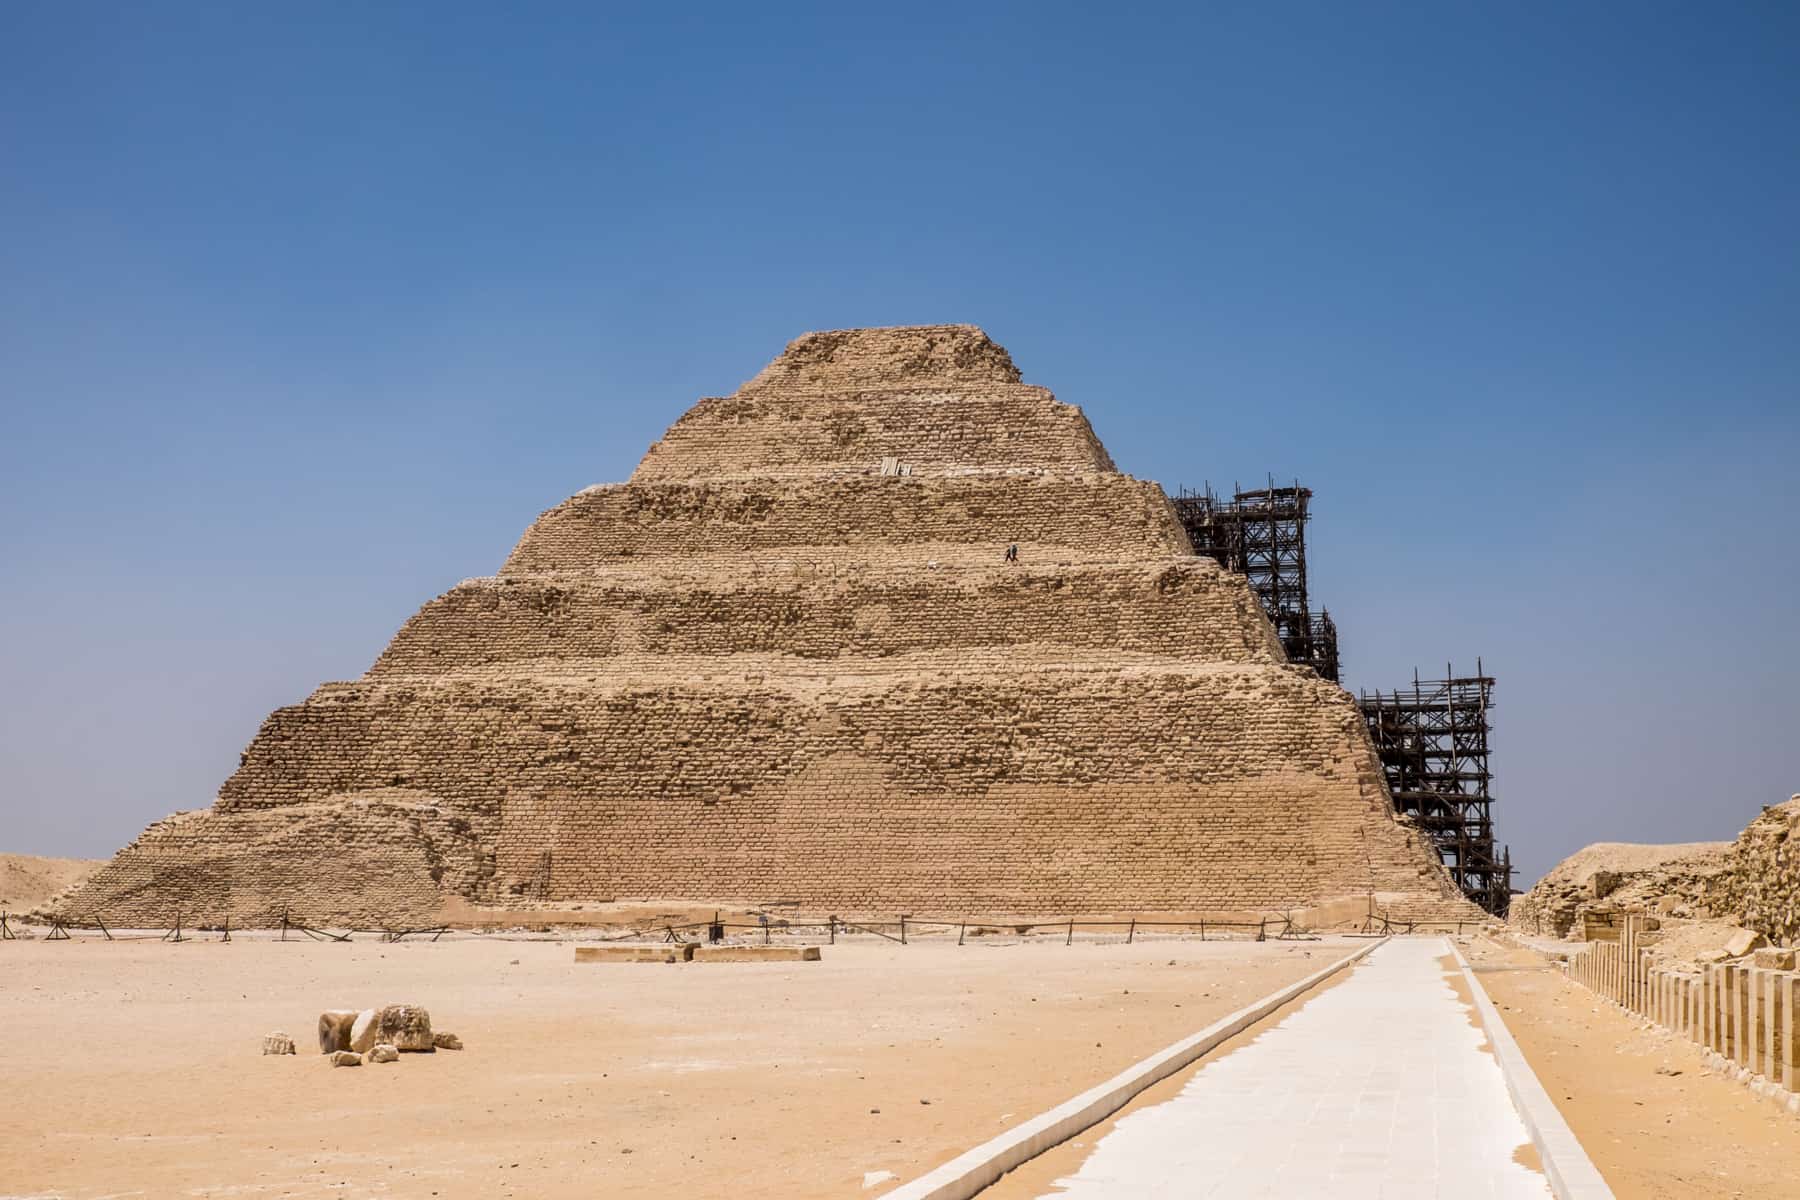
<point x="343" y="1058"/>
<point x="277" y="1043"/>
<point x="1743" y="942"/>
<point x="1773" y="958"/>
<point x="334" y="1029"/>
<point x="756" y="954"/>
<point x="670" y="952"/>
<point x="403" y="1026"/>
<point x="446" y="1041"/>
<point x="381" y="1052"/>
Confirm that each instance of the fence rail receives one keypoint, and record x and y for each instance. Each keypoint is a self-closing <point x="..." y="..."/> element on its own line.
<point x="905" y="926"/>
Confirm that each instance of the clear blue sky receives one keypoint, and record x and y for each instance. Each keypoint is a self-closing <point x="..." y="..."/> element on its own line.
<point x="307" y="310"/>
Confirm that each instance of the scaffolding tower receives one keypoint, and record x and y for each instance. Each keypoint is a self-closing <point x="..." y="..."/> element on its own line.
<point x="1432" y="740"/>
<point x="1261" y="534"/>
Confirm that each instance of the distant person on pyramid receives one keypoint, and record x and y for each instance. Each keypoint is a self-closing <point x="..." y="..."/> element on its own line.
<point x="1012" y="553"/>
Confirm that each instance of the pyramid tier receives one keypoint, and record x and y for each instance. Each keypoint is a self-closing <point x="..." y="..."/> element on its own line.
<point x="1178" y="607"/>
<point x="1065" y="785"/>
<point x="958" y="357"/>
<point x="1052" y="518"/>
<point x="932" y="431"/>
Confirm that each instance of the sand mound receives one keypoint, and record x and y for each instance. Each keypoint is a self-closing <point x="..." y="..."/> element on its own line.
<point x="27" y="882"/>
<point x="1628" y="857"/>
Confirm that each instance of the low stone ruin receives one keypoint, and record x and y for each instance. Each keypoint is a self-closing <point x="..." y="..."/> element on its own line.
<point x="1608" y="877"/>
<point x="1703" y="901"/>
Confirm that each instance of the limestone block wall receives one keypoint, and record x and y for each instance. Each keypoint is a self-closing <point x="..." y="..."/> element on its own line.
<point x="1176" y="606"/>
<point x="1027" y="794"/>
<point x="932" y="431"/>
<point x="1760" y="885"/>
<point x="959" y="356"/>
<point x="1099" y="517"/>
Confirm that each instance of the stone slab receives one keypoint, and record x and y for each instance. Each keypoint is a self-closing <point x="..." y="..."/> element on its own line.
<point x="669" y="953"/>
<point x="756" y="953"/>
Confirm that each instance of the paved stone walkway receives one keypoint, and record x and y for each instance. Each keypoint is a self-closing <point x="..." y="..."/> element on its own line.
<point x="1377" y="1087"/>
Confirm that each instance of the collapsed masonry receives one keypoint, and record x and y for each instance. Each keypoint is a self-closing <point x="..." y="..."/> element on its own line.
<point x="790" y="662"/>
<point x="1752" y="883"/>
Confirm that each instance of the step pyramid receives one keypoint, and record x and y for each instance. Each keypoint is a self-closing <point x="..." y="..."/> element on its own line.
<point x="792" y="661"/>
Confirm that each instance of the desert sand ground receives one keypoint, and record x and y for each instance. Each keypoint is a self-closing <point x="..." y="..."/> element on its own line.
<point x="27" y="881"/>
<point x="133" y="1068"/>
<point x="1653" y="1117"/>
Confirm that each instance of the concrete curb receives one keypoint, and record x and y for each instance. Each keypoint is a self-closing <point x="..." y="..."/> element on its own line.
<point x="967" y="1174"/>
<point x="1571" y="1172"/>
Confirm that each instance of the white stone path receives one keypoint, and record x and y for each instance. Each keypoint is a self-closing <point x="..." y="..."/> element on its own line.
<point x="1376" y="1087"/>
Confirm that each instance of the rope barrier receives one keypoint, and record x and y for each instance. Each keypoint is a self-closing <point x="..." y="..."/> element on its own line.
<point x="902" y="931"/>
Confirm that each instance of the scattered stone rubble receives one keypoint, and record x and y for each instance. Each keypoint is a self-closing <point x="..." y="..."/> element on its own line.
<point x="378" y="1034"/>
<point x="793" y="657"/>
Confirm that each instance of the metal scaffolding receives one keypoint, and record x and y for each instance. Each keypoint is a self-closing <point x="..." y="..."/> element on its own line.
<point x="1432" y="739"/>
<point x="1261" y="534"/>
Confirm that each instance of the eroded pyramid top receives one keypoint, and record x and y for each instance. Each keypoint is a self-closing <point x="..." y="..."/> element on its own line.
<point x="911" y="399"/>
<point x="900" y="356"/>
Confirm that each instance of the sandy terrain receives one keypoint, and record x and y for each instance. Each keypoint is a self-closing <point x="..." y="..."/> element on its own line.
<point x="1654" y="1119"/>
<point x="26" y="882"/>
<point x="132" y="1068"/>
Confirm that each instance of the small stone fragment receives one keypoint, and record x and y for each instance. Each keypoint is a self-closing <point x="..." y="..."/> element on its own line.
<point x="446" y="1041"/>
<point x="344" y="1058"/>
<point x="362" y="1031"/>
<point x="277" y="1043"/>
<point x="334" y="1029"/>
<point x="381" y="1052"/>
<point x="1743" y="942"/>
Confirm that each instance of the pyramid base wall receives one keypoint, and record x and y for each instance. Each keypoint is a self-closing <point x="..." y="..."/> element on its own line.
<point x="1040" y="793"/>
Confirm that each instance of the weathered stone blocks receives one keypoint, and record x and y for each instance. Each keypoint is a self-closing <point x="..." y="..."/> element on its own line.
<point x="763" y="668"/>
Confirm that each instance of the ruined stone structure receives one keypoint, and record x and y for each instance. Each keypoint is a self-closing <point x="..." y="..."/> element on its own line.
<point x="791" y="661"/>
<point x="1753" y="882"/>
